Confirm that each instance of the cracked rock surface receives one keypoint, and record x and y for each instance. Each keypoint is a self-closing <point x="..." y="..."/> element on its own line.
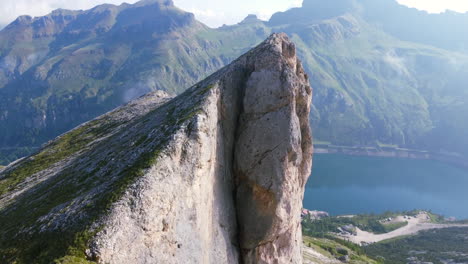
<point x="273" y="156"/>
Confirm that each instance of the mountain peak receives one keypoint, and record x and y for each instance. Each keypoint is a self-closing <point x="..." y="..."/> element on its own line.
<point x="314" y="11"/>
<point x="152" y="2"/>
<point x="22" y="20"/>
<point x="250" y="19"/>
<point x="63" y="12"/>
<point x="328" y="4"/>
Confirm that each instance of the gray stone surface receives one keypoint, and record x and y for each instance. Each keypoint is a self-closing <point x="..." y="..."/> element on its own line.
<point x="191" y="187"/>
<point x="273" y="156"/>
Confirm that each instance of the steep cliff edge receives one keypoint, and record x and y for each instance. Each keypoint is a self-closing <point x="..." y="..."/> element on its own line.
<point x="215" y="175"/>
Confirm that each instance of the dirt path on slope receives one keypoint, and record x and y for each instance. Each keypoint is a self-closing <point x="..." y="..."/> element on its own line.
<point x="415" y="224"/>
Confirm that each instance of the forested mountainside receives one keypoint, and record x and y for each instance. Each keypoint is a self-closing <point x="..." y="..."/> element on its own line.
<point x="66" y="68"/>
<point x="372" y="84"/>
<point x="378" y="80"/>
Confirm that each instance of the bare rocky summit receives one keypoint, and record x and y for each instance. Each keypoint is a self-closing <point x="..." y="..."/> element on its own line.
<point x="215" y="175"/>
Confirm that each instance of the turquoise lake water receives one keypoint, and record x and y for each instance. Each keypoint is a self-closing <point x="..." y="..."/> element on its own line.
<point x="343" y="184"/>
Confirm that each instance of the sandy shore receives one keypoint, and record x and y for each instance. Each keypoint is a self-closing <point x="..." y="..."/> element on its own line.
<point x="415" y="224"/>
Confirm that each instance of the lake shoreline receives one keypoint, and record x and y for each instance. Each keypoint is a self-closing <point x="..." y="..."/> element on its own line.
<point x="453" y="159"/>
<point x="358" y="184"/>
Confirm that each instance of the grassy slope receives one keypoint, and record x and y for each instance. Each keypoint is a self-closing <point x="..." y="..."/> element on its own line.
<point x="428" y="246"/>
<point x="434" y="246"/>
<point x="334" y="249"/>
<point x="370" y="223"/>
<point x="85" y="188"/>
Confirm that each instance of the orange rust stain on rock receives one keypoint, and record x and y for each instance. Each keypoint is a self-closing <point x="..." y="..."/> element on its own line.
<point x="265" y="200"/>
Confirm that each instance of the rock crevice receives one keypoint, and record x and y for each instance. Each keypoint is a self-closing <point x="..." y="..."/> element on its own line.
<point x="273" y="156"/>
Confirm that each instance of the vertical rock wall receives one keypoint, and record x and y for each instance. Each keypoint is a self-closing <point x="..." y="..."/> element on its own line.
<point x="229" y="186"/>
<point x="273" y="157"/>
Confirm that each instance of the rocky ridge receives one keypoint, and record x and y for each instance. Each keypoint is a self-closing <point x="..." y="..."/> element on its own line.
<point x="215" y="175"/>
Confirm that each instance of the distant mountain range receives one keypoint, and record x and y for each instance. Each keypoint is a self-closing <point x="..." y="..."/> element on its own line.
<point x="382" y="73"/>
<point x="66" y="68"/>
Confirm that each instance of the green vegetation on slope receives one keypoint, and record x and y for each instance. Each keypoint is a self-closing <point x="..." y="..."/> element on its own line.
<point x="8" y="155"/>
<point x="58" y="150"/>
<point x="438" y="246"/>
<point x="371" y="223"/>
<point x="369" y="87"/>
<point x="84" y="191"/>
<point x="43" y="247"/>
<point x="446" y="245"/>
<point x="75" y="79"/>
<point x="334" y="248"/>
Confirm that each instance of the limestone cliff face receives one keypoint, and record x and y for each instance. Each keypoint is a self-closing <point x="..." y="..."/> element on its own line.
<point x="215" y="175"/>
<point x="273" y="154"/>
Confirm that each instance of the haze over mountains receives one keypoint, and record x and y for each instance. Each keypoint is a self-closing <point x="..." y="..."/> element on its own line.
<point x="381" y="72"/>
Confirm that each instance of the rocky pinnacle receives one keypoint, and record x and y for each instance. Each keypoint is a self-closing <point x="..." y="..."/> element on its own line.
<point x="214" y="175"/>
<point x="273" y="154"/>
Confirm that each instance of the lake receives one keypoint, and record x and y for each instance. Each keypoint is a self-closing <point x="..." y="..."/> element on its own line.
<point x="343" y="184"/>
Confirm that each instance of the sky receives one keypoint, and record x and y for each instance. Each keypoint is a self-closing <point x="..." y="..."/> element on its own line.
<point x="214" y="13"/>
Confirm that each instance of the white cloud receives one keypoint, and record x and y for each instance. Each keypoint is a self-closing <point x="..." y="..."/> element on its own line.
<point x="11" y="9"/>
<point x="265" y="14"/>
<point x="396" y="62"/>
<point x="205" y="13"/>
<point x="213" y="17"/>
<point x="212" y="12"/>
<point x="437" y="6"/>
<point x="295" y="3"/>
<point x="215" y="13"/>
